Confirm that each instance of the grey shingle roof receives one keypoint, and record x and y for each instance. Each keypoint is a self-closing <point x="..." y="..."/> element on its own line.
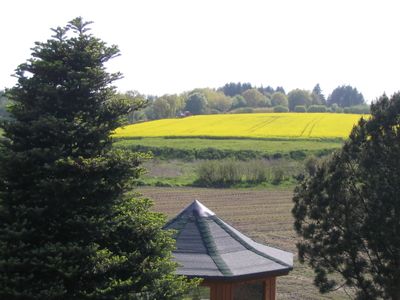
<point x="208" y="247"/>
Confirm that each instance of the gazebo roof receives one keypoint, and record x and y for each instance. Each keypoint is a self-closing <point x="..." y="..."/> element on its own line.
<point x="209" y="248"/>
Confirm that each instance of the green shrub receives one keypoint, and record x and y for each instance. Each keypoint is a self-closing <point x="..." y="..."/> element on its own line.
<point x="281" y="109"/>
<point x="242" y="110"/>
<point x="300" y="108"/>
<point x="336" y="108"/>
<point x="255" y="172"/>
<point x="214" y="111"/>
<point x="219" y="173"/>
<point x="263" y="110"/>
<point x="278" y="176"/>
<point x="229" y="172"/>
<point x="317" y="108"/>
<point x="357" y="109"/>
<point x="162" y="184"/>
<point x="297" y="154"/>
<point x="207" y="173"/>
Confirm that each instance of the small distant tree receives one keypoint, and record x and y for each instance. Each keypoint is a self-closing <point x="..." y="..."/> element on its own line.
<point x="317" y="108"/>
<point x="358" y="109"/>
<point x="300" y="108"/>
<point x="299" y="97"/>
<point x="175" y="102"/>
<point x="238" y="101"/>
<point x="217" y="100"/>
<point x="161" y="108"/>
<point x="336" y="108"/>
<point x="267" y="91"/>
<point x="68" y="228"/>
<point x="345" y="96"/>
<point x="280" y="89"/>
<point x="279" y="98"/>
<point x="348" y="210"/>
<point x="254" y="98"/>
<point x="137" y="101"/>
<point x="317" y="96"/>
<point x="197" y="104"/>
<point x="281" y="108"/>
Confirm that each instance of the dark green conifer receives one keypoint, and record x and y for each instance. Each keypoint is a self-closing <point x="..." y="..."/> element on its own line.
<point x="348" y="211"/>
<point x="67" y="228"/>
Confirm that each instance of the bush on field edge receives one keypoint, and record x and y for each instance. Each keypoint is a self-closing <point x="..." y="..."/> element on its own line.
<point x="226" y="173"/>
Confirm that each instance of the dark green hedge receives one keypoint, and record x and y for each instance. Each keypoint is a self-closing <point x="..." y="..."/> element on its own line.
<point x="217" y="154"/>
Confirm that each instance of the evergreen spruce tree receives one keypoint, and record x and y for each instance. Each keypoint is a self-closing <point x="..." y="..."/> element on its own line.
<point x="68" y="230"/>
<point x="348" y="210"/>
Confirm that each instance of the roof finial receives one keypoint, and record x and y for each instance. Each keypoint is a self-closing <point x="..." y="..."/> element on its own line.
<point x="196" y="208"/>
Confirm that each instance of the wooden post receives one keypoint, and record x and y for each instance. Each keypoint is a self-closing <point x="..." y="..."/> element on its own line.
<point x="221" y="291"/>
<point x="270" y="288"/>
<point x="224" y="290"/>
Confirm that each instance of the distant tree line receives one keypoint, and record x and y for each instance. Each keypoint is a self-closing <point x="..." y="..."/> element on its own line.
<point x="245" y="98"/>
<point x="236" y="98"/>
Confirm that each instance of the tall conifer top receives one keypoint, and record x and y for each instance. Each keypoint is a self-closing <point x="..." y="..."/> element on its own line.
<point x="67" y="228"/>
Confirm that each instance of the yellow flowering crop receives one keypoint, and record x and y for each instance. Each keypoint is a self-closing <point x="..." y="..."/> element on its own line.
<point x="264" y="125"/>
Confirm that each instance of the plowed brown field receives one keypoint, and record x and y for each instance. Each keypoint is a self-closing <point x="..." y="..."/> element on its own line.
<point x="264" y="215"/>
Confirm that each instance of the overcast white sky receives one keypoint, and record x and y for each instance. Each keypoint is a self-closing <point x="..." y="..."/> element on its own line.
<point x="170" y="46"/>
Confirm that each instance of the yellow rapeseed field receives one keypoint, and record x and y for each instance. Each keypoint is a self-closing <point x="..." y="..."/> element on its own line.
<point x="263" y="125"/>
